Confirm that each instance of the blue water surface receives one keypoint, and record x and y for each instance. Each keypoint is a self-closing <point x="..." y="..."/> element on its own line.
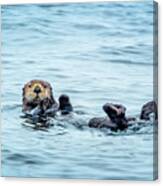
<point x="95" y="53"/>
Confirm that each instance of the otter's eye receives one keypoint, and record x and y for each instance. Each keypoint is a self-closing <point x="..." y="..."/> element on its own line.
<point x="45" y="86"/>
<point x="29" y="86"/>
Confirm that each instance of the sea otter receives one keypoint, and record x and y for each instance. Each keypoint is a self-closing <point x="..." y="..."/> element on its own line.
<point x="116" y="119"/>
<point x="147" y="109"/>
<point x="38" y="99"/>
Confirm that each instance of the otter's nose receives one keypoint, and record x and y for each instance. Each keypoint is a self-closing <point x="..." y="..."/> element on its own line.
<point x="37" y="90"/>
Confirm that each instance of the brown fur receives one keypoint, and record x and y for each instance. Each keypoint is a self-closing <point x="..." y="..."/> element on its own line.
<point x="44" y="98"/>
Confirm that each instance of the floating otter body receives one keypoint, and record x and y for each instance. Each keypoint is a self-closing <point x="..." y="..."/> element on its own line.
<point x="38" y="99"/>
<point x="116" y="119"/>
<point x="39" y="103"/>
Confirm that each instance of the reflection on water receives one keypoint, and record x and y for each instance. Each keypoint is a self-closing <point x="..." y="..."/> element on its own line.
<point x="95" y="53"/>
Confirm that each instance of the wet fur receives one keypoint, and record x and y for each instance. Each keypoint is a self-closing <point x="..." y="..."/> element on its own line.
<point x="45" y="103"/>
<point x="116" y="114"/>
<point x="116" y="118"/>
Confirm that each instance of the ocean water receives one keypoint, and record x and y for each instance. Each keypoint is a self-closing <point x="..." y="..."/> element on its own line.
<point x="95" y="53"/>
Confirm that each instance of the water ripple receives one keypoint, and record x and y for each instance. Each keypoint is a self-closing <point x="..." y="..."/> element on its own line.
<point x="94" y="53"/>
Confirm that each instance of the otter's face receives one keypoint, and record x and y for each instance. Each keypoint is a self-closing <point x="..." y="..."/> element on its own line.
<point x="36" y="91"/>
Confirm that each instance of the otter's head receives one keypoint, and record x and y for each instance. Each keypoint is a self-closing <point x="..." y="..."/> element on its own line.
<point x="36" y="91"/>
<point x="148" y="109"/>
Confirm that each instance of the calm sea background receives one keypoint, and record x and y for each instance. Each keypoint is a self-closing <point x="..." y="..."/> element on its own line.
<point x="95" y="53"/>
